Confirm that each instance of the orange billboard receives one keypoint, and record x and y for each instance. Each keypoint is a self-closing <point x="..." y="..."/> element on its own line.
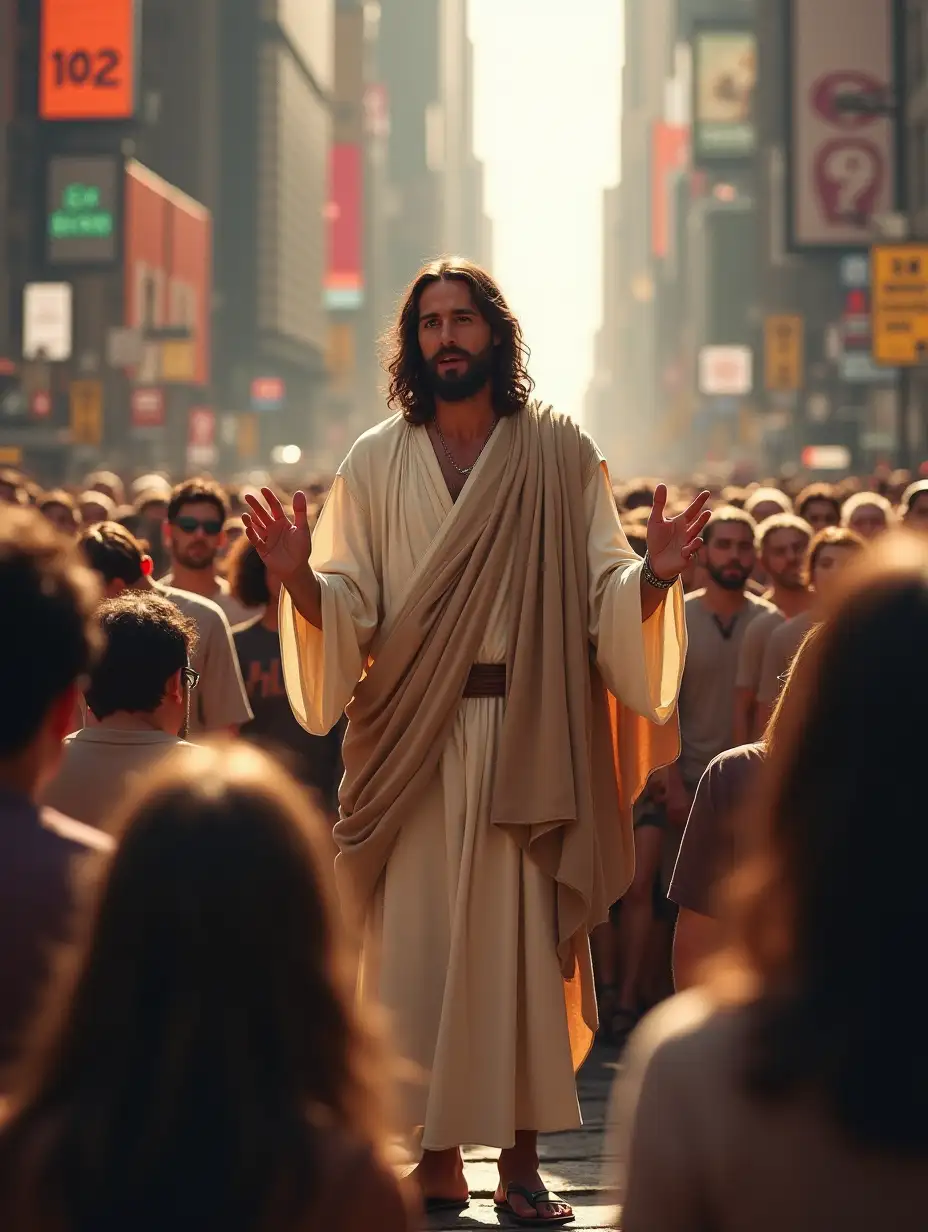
<point x="88" y="59"/>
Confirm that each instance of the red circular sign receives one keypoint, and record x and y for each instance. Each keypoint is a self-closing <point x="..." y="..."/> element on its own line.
<point x="826" y="90"/>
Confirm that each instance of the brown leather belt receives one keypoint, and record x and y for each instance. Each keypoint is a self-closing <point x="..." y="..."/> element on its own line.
<point x="486" y="680"/>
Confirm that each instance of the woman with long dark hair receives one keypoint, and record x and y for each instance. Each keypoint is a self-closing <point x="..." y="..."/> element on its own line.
<point x="198" y="1067"/>
<point x="792" y="1091"/>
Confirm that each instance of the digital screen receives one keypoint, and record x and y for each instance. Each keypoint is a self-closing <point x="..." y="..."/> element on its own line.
<point x="83" y="210"/>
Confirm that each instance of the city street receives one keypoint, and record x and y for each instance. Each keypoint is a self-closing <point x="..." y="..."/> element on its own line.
<point x="571" y="1163"/>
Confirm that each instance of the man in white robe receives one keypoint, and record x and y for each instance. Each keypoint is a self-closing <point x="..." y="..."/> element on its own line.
<point x="472" y="600"/>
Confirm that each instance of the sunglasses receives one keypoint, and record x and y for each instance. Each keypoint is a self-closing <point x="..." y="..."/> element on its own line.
<point x="190" y="525"/>
<point x="190" y="676"/>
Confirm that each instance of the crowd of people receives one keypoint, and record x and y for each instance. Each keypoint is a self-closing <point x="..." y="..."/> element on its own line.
<point x="184" y="543"/>
<point x="175" y="1016"/>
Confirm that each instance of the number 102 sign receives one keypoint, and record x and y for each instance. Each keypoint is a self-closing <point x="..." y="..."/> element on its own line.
<point x="89" y="59"/>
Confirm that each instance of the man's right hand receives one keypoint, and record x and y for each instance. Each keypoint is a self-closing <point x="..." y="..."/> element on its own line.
<point x="282" y="544"/>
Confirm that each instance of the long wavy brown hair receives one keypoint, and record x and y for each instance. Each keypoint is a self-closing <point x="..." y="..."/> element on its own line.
<point x="828" y="909"/>
<point x="201" y="1046"/>
<point x="409" y="389"/>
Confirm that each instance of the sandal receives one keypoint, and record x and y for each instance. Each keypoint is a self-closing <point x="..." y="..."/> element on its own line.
<point x="534" y="1200"/>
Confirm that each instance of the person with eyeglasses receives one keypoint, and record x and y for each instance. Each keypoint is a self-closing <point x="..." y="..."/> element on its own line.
<point x="194" y="535"/>
<point x="138" y="702"/>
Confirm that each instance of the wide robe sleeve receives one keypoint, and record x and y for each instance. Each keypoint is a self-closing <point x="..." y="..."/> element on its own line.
<point x="322" y="666"/>
<point x="640" y="662"/>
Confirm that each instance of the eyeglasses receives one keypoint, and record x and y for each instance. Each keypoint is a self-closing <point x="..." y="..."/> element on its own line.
<point x="190" y="525"/>
<point x="190" y="677"/>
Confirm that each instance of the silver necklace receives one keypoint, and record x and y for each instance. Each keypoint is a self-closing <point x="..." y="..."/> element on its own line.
<point x="463" y="470"/>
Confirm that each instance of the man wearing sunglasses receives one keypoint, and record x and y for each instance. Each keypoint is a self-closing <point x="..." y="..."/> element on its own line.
<point x="193" y="533"/>
<point x="138" y="702"/>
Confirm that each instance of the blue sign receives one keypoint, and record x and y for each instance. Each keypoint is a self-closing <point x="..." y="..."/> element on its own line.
<point x="858" y="368"/>
<point x="723" y="406"/>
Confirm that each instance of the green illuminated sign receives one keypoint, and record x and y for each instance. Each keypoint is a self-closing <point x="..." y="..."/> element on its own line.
<point x="81" y="215"/>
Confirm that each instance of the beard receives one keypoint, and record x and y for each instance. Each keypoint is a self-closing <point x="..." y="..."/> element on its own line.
<point x="732" y="577"/>
<point x="192" y="559"/>
<point x="458" y="386"/>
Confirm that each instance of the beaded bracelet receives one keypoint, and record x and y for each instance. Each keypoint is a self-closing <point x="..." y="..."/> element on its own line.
<point x="651" y="577"/>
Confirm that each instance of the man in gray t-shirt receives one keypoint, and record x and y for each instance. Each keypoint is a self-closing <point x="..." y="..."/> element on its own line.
<point x="717" y="618"/>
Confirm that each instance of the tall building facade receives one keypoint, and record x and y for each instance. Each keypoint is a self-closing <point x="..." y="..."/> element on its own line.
<point x="622" y="401"/>
<point x="434" y="182"/>
<point x="767" y="146"/>
<point x="277" y="73"/>
<point x="208" y="166"/>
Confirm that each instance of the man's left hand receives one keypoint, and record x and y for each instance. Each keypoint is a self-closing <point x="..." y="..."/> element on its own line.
<point x="672" y="541"/>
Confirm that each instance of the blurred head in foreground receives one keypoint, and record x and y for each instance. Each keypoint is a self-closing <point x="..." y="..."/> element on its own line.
<point x="51" y="641"/>
<point x="828" y="918"/>
<point x="201" y="1042"/>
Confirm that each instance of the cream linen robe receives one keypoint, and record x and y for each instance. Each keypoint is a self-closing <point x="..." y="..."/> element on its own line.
<point x="460" y="938"/>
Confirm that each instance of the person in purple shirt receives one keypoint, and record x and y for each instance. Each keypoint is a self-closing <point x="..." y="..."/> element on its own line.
<point x="47" y="601"/>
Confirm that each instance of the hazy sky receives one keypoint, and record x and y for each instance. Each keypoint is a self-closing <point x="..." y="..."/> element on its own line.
<point x="547" y="120"/>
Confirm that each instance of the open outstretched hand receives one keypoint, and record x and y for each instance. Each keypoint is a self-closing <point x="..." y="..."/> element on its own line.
<point x="672" y="541"/>
<point x="282" y="543"/>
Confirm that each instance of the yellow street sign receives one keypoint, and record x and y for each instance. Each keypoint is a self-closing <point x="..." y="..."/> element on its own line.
<point x="178" y="361"/>
<point x="86" y="398"/>
<point x="900" y="303"/>
<point x="783" y="353"/>
<point x="247" y="436"/>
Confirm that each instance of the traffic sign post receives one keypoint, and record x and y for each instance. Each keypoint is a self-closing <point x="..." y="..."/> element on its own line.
<point x="247" y="437"/>
<point x="783" y="353"/>
<point x="86" y="398"/>
<point x="900" y="304"/>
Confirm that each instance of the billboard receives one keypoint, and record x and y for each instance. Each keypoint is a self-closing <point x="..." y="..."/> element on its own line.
<point x="168" y="268"/>
<point x="48" y="321"/>
<point x="83" y="201"/>
<point x="724" y="95"/>
<point x="344" y="279"/>
<point x="842" y="164"/>
<point x="89" y="59"/>
<point x="726" y="371"/>
<point x="669" y="154"/>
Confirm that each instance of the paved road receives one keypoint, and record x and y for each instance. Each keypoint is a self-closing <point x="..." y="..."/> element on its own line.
<point x="571" y="1163"/>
